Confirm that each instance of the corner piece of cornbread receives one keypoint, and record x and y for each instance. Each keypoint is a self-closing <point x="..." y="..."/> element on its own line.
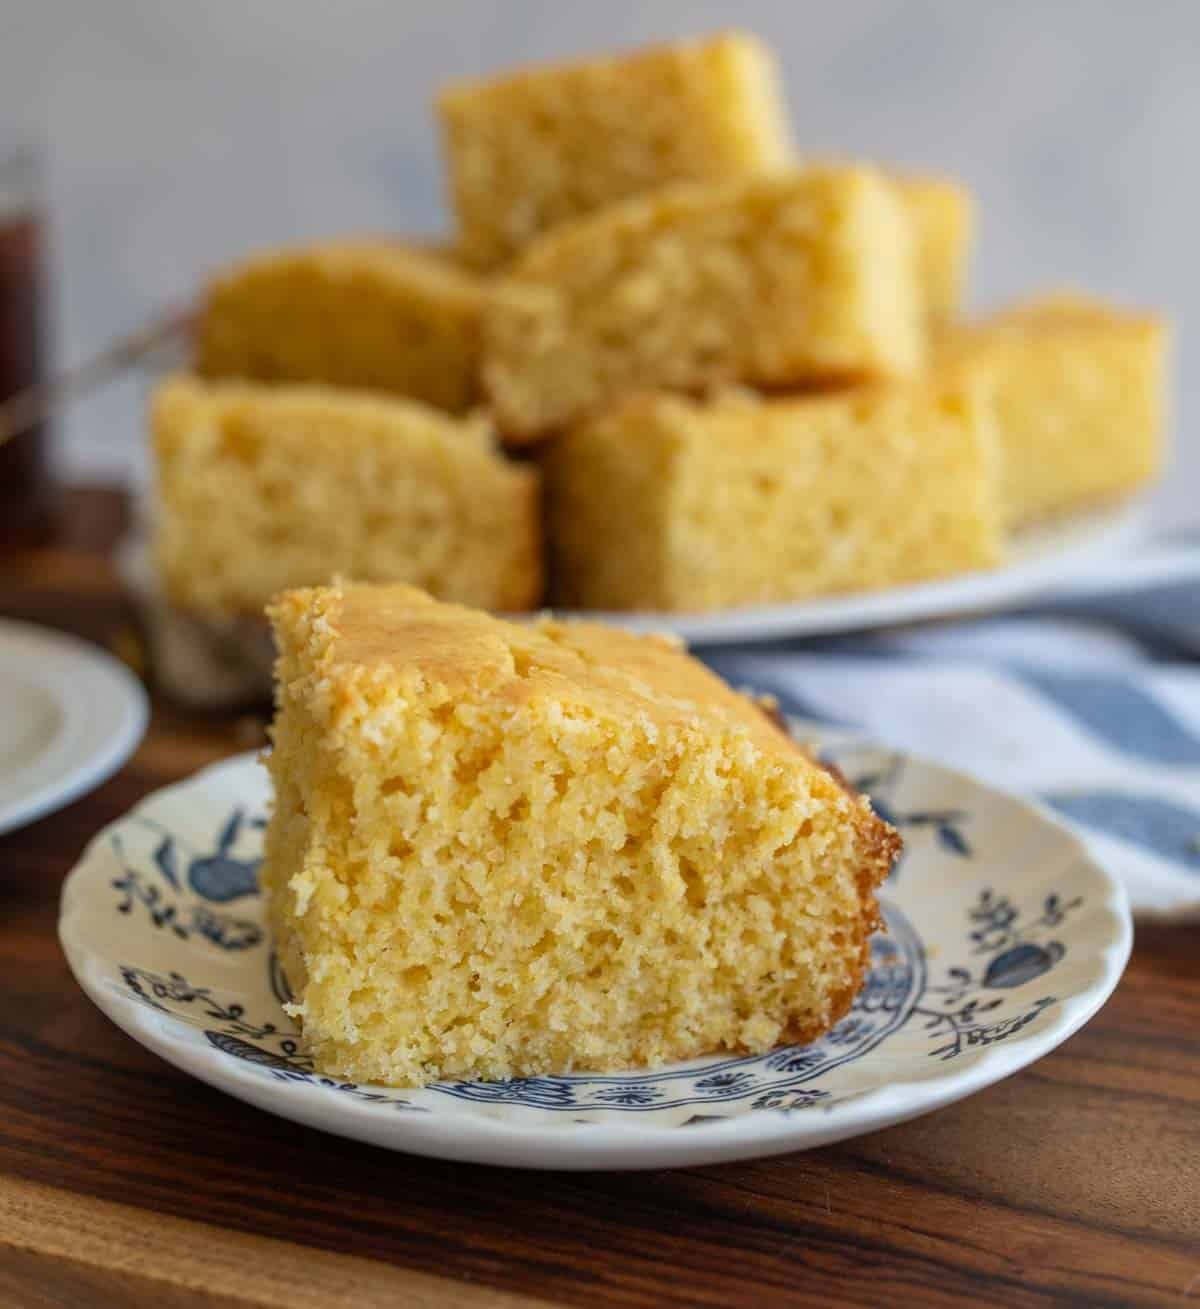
<point x="369" y="313"/>
<point x="1080" y="399"/>
<point x="681" y="505"/>
<point x="797" y="277"/>
<point x="264" y="487"/>
<point x="502" y="850"/>
<point x="533" y="148"/>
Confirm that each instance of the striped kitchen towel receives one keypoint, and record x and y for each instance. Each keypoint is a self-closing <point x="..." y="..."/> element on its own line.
<point x="1092" y="709"/>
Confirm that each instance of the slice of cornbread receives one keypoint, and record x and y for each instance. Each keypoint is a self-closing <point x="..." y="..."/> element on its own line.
<point x="263" y="487"/>
<point x="1080" y="397"/>
<point x="805" y="276"/>
<point x="533" y="148"/>
<point x="943" y="215"/>
<point x="672" y="504"/>
<point x="364" y="313"/>
<point x="504" y="850"/>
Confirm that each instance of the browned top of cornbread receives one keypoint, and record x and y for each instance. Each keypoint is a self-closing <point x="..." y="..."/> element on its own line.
<point x="365" y="635"/>
<point x="325" y="408"/>
<point x="732" y="43"/>
<point x="813" y="197"/>
<point x="430" y="265"/>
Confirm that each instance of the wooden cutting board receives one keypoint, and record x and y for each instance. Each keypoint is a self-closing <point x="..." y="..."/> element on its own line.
<point x="124" y="1182"/>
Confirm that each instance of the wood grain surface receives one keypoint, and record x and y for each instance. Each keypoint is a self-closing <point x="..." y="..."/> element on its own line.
<point x="122" y="1180"/>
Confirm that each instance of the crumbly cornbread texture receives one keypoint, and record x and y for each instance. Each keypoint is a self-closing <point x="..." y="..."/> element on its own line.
<point x="673" y="504"/>
<point x="943" y="215"/>
<point x="534" y="148"/>
<point x="504" y="850"/>
<point x="374" y="314"/>
<point x="797" y="277"/>
<point x="1080" y="398"/>
<point x="264" y="487"/>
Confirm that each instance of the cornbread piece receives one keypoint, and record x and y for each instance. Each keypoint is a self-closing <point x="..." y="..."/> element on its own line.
<point x="500" y="850"/>
<point x="264" y="487"/>
<point x="672" y="504"/>
<point x="1080" y="394"/>
<point x="369" y="313"/>
<point x="943" y="216"/>
<point x="531" y="149"/>
<point x="806" y="276"/>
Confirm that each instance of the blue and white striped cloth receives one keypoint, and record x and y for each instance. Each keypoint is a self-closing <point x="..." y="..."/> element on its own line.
<point x="1091" y="707"/>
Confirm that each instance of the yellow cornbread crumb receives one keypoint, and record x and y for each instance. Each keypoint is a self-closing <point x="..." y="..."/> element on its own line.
<point x="373" y="314"/>
<point x="797" y="277"/>
<point x="680" y="505"/>
<point x="1080" y="399"/>
<point x="264" y="487"/>
<point x="502" y="850"/>
<point x="533" y="148"/>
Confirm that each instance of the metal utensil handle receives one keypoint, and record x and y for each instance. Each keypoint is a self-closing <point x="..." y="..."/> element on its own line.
<point x="27" y="408"/>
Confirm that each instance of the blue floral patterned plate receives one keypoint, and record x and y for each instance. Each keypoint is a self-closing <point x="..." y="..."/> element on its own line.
<point x="1004" y="937"/>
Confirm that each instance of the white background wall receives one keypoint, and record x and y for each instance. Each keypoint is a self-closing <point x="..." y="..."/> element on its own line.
<point x="179" y="134"/>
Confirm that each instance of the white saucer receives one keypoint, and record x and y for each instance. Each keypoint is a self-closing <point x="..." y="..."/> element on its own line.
<point x="1005" y="937"/>
<point x="1041" y="558"/>
<point x="70" y="715"/>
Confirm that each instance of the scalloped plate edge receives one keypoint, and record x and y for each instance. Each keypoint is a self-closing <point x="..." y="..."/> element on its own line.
<point x="609" y="1145"/>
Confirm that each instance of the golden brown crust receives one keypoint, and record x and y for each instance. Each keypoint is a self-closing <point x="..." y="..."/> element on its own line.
<point x="386" y="630"/>
<point x="839" y="1006"/>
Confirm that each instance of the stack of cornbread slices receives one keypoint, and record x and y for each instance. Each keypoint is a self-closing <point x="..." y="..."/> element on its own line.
<point x="731" y="376"/>
<point x="663" y="353"/>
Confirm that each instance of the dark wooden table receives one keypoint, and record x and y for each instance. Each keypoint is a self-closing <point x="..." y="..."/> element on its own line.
<point x="123" y="1182"/>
